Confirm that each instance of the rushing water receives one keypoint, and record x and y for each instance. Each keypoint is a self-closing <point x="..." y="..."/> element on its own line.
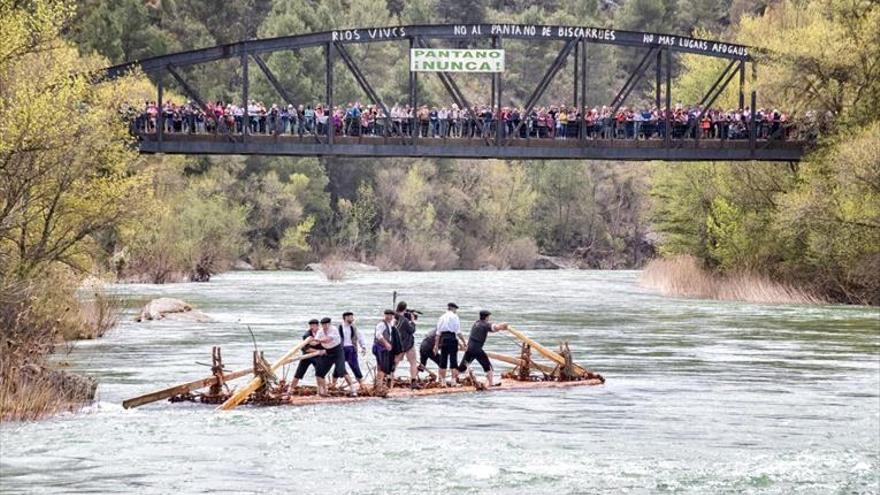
<point x="701" y="397"/>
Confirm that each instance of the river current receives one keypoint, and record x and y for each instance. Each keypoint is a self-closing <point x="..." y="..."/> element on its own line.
<point x="701" y="397"/>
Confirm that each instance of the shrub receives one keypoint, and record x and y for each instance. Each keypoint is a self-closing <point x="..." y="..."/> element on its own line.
<point x="489" y="258"/>
<point x="521" y="253"/>
<point x="397" y="254"/>
<point x="33" y="315"/>
<point x="98" y="314"/>
<point x="333" y="268"/>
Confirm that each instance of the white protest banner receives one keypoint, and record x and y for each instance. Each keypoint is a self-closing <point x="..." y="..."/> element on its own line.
<point x="455" y="60"/>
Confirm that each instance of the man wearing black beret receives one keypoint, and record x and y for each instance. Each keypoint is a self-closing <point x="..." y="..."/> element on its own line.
<point x="479" y="334"/>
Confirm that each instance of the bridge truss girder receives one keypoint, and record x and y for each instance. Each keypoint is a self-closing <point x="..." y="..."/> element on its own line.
<point x="334" y="46"/>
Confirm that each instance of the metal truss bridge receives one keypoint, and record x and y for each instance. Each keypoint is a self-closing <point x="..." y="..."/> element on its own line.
<point x="655" y="50"/>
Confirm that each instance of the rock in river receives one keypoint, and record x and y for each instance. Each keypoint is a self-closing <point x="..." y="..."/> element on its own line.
<point x="173" y="309"/>
<point x="347" y="266"/>
<point x="554" y="263"/>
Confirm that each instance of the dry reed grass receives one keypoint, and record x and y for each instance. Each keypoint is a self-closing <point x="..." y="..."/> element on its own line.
<point x="29" y="397"/>
<point x="683" y="276"/>
<point x="333" y="268"/>
<point x="33" y="317"/>
<point x="396" y="254"/>
<point x="99" y="314"/>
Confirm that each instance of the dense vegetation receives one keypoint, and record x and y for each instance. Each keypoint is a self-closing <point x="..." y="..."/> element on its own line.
<point x="815" y="224"/>
<point x="75" y="199"/>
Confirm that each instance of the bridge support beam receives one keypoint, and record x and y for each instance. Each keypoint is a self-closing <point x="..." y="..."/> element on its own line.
<point x="658" y="66"/>
<point x="245" y="88"/>
<point x="328" y="112"/>
<point x="519" y="150"/>
<point x="362" y="81"/>
<point x="577" y="56"/>
<point x="742" y="83"/>
<point x="695" y="125"/>
<point x="189" y="90"/>
<point x="545" y="81"/>
<point x="633" y="80"/>
<point x="272" y="79"/>
<point x="717" y="82"/>
<point x="413" y="98"/>
<point x="160" y="116"/>
<point x="583" y="83"/>
<point x="494" y="87"/>
<point x="753" y="129"/>
<point x="496" y="76"/>
<point x="667" y="134"/>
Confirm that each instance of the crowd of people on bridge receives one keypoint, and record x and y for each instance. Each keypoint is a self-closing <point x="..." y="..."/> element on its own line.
<point x="481" y="121"/>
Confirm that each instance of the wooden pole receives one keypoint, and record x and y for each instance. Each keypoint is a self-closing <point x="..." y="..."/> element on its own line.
<point x="182" y="389"/>
<point x="242" y="393"/>
<point x="547" y="353"/>
<point x="197" y="384"/>
<point x="518" y="362"/>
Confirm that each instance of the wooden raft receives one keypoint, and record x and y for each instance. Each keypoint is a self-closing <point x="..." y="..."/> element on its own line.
<point x="507" y="385"/>
<point x="266" y="389"/>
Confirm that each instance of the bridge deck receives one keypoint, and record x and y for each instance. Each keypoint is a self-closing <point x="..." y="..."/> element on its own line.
<point x="572" y="149"/>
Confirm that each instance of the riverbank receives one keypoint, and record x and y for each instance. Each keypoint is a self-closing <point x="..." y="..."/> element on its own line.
<point x="682" y="276"/>
<point x="38" y="321"/>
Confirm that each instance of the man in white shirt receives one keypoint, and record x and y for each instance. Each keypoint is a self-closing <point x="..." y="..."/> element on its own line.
<point x="446" y="342"/>
<point x="352" y="340"/>
<point x="331" y="340"/>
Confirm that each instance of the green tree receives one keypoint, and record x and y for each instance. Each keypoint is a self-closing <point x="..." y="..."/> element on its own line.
<point x="59" y="184"/>
<point x="833" y="217"/>
<point x="358" y="223"/>
<point x="819" y="55"/>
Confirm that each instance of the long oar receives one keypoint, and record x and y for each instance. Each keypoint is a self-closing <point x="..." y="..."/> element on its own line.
<point x="547" y="353"/>
<point x="197" y="384"/>
<point x="242" y="393"/>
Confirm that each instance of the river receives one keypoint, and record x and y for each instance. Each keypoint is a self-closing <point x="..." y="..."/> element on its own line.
<point x="701" y="397"/>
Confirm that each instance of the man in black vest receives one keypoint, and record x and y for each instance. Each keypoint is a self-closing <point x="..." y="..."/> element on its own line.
<point x="304" y="364"/>
<point x="383" y="348"/>
<point x="479" y="333"/>
<point x="352" y="340"/>
<point x="406" y="329"/>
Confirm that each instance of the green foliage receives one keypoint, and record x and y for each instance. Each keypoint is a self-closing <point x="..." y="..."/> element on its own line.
<point x="60" y="185"/>
<point x="834" y="216"/>
<point x="358" y="222"/>
<point x="648" y="15"/>
<point x="819" y="55"/>
<point x="188" y="233"/>
<point x="817" y="224"/>
<point x="121" y="31"/>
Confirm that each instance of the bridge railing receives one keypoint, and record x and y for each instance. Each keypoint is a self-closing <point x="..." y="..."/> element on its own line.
<point x="484" y="130"/>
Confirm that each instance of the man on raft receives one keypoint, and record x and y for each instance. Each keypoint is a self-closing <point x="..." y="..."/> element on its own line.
<point x="474" y="350"/>
<point x="441" y="345"/>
